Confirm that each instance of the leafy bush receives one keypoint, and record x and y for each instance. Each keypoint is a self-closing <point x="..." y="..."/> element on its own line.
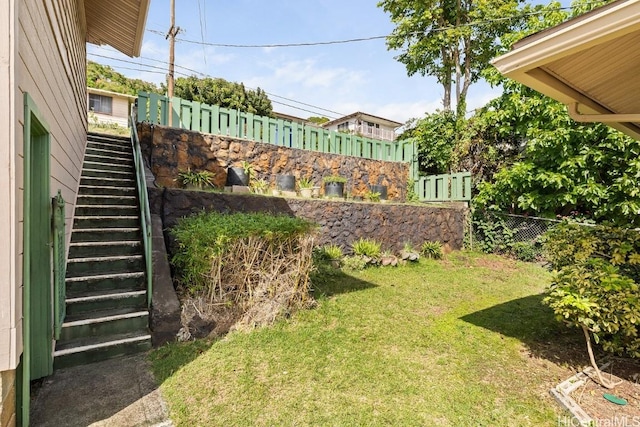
<point x="333" y="252"/>
<point x="525" y="251"/>
<point x="595" y="286"/>
<point x="354" y="262"/>
<point x="367" y="247"/>
<point x="594" y="295"/>
<point x="198" y="179"/>
<point x="492" y="233"/>
<point x="432" y="250"/>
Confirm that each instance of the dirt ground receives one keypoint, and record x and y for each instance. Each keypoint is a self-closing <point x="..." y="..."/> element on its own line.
<point x="603" y="412"/>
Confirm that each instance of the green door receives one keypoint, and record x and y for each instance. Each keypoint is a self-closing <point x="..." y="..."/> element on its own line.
<point x="37" y="356"/>
<point x="38" y="219"/>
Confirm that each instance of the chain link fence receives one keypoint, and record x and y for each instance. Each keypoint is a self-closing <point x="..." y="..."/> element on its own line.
<point x="517" y="235"/>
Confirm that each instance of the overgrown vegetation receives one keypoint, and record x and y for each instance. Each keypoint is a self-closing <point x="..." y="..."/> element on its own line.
<point x="257" y="262"/>
<point x="595" y="287"/>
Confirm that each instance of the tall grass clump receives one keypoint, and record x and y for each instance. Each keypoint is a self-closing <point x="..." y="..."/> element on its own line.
<point x="258" y="262"/>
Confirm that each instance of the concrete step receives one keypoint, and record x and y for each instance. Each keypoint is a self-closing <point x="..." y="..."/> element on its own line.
<point x="105" y="234"/>
<point x="96" y="301"/>
<point x="106" y="199"/>
<point x="108" y="181"/>
<point x="99" y="173"/>
<point x="106" y="210"/>
<point x="80" y="267"/>
<point x="96" y="249"/>
<point x="104" y="323"/>
<point x="106" y="165"/>
<point x="109" y="158"/>
<point x="107" y="190"/>
<point x="105" y="282"/>
<point x="102" y="151"/>
<point x="118" y="221"/>
<point x="84" y="351"/>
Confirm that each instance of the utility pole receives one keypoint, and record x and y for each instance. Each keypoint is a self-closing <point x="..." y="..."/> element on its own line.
<point x="171" y="36"/>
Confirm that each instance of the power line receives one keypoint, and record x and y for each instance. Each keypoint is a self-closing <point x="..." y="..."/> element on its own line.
<point x="205" y="75"/>
<point x="370" y="38"/>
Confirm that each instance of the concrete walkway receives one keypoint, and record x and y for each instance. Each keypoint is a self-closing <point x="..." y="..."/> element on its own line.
<point x="118" y="392"/>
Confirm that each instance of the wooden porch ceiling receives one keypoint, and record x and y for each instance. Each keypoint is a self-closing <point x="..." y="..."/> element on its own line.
<point x="118" y="23"/>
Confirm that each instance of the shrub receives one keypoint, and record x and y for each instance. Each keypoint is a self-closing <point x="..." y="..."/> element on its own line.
<point x="354" y="262"/>
<point x="367" y="247"/>
<point x="594" y="295"/>
<point x="525" y="251"/>
<point x="595" y="286"/>
<point x="198" y="179"/>
<point x="372" y="196"/>
<point x="432" y="250"/>
<point x="260" y="262"/>
<point x="492" y="234"/>
<point x="332" y="252"/>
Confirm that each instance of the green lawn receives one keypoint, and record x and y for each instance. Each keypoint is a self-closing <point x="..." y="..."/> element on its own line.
<point x="459" y="342"/>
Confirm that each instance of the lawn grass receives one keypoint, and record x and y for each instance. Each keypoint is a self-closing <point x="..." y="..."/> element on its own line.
<point x="459" y="342"/>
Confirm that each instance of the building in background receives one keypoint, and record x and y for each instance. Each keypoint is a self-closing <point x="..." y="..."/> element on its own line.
<point x="366" y="125"/>
<point x="108" y="107"/>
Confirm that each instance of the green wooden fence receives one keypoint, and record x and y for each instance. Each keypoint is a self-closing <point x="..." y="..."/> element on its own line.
<point x="444" y="188"/>
<point x="213" y="119"/>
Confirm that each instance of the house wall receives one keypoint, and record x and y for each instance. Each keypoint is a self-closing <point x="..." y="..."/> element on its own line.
<point x="49" y="65"/>
<point x="8" y="289"/>
<point x="120" y="112"/>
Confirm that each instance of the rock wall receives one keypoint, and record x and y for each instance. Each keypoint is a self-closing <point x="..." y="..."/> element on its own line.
<point x="340" y="222"/>
<point x="170" y="150"/>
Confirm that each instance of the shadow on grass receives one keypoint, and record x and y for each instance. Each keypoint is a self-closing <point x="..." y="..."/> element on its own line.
<point x="533" y="323"/>
<point x="328" y="281"/>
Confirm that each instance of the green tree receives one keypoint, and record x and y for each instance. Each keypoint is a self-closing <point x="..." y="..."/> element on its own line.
<point x="451" y="40"/>
<point x="318" y="120"/>
<point x="104" y="77"/>
<point x="216" y="91"/>
<point x="584" y="168"/>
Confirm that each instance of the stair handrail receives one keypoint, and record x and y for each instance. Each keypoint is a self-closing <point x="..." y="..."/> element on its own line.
<point x="143" y="200"/>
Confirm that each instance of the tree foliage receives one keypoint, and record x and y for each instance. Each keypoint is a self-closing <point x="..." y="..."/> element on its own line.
<point x="451" y="40"/>
<point x="104" y="77"/>
<point x="566" y="167"/>
<point x="216" y="91"/>
<point x="318" y="120"/>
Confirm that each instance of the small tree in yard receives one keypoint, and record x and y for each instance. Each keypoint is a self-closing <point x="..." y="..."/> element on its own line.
<point x="596" y="287"/>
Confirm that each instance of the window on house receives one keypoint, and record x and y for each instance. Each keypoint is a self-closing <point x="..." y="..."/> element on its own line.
<point x="343" y="126"/>
<point x="100" y="104"/>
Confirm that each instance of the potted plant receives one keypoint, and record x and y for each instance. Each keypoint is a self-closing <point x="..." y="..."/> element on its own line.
<point x="240" y="175"/>
<point x="192" y="180"/>
<point x="381" y="190"/>
<point x="334" y="186"/>
<point x="306" y="187"/>
<point x="286" y="182"/>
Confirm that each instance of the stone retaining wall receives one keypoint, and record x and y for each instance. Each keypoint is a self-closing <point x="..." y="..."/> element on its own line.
<point x="170" y="150"/>
<point x="340" y="222"/>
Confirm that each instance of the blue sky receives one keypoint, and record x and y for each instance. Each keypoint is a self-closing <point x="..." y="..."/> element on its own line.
<point x="343" y="78"/>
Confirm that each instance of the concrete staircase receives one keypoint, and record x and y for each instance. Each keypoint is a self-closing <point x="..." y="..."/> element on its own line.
<point x="106" y="300"/>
